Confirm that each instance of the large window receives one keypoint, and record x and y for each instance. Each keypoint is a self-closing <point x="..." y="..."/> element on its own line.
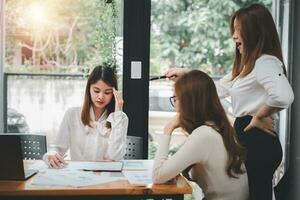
<point x="192" y="34"/>
<point x="195" y="34"/>
<point x="50" y="47"/>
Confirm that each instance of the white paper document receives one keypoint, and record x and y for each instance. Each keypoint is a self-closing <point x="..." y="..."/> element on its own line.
<point x="38" y="165"/>
<point x="139" y="178"/>
<point x="79" y="165"/>
<point x="79" y="174"/>
<point x="74" y="178"/>
<point x="138" y="164"/>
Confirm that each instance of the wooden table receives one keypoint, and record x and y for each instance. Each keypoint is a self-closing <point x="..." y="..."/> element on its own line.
<point x="114" y="190"/>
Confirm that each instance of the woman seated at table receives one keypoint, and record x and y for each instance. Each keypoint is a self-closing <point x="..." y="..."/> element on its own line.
<point x="96" y="131"/>
<point x="211" y="154"/>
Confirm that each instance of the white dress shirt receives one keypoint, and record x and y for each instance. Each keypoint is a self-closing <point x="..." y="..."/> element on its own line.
<point x="91" y="144"/>
<point x="266" y="84"/>
<point x="204" y="148"/>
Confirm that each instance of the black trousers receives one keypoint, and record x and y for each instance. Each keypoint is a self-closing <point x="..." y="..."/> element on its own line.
<point x="264" y="155"/>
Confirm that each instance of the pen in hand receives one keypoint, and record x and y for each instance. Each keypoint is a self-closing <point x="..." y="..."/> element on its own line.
<point x="157" y="77"/>
<point x="161" y="77"/>
<point x="63" y="162"/>
<point x="56" y="161"/>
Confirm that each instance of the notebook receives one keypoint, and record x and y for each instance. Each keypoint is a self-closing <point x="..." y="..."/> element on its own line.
<point x="103" y="166"/>
<point x="12" y="167"/>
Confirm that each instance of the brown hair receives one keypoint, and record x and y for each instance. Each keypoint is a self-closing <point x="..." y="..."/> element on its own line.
<point x="200" y="104"/>
<point x="259" y="36"/>
<point x="108" y="76"/>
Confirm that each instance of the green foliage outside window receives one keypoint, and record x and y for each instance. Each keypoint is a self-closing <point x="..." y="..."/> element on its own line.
<point x="67" y="35"/>
<point x="194" y="34"/>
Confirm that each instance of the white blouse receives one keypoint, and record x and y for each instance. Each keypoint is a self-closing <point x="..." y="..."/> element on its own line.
<point x="91" y="144"/>
<point x="266" y="84"/>
<point x="204" y="148"/>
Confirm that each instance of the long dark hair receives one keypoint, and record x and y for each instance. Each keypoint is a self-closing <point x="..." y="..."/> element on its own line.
<point x="200" y="104"/>
<point x="108" y="76"/>
<point x="259" y="36"/>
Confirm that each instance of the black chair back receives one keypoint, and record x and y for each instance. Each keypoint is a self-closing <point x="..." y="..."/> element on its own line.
<point x="33" y="146"/>
<point x="134" y="149"/>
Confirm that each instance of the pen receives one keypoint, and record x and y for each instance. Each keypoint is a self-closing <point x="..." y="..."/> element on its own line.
<point x="157" y="77"/>
<point x="63" y="157"/>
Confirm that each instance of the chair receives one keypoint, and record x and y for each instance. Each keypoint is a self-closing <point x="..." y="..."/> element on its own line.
<point x="33" y="146"/>
<point x="134" y="148"/>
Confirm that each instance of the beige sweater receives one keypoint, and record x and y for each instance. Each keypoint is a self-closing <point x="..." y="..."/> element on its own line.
<point x="205" y="148"/>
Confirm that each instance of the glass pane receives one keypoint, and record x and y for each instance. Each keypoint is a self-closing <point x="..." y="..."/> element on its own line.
<point x="283" y="25"/>
<point x="58" y="42"/>
<point x="37" y="104"/>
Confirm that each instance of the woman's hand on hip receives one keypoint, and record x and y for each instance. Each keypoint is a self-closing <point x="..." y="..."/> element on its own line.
<point x="118" y="100"/>
<point x="265" y="124"/>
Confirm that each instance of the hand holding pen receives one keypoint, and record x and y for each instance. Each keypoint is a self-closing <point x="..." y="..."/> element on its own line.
<point x="172" y="74"/>
<point x="157" y="77"/>
<point x="175" y="72"/>
<point x="56" y="161"/>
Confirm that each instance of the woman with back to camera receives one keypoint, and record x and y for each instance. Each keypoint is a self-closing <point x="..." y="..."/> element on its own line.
<point x="258" y="88"/>
<point x="211" y="150"/>
<point x="96" y="131"/>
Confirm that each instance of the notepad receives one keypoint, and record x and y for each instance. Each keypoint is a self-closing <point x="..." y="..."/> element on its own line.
<point x="96" y="166"/>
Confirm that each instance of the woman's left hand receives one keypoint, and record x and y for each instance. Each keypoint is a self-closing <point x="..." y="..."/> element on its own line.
<point x="173" y="124"/>
<point x="265" y="124"/>
<point x="118" y="100"/>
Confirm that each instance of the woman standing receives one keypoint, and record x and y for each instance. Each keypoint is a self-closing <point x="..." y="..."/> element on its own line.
<point x="259" y="88"/>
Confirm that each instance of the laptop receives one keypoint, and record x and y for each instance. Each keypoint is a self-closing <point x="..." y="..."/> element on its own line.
<point x="11" y="157"/>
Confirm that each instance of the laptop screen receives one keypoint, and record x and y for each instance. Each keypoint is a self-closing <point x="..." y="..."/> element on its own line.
<point x="11" y="167"/>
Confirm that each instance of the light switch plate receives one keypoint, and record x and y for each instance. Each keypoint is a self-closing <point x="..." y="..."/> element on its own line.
<point x="136" y="69"/>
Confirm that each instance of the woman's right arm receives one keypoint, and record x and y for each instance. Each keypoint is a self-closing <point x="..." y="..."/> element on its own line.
<point x="223" y="86"/>
<point x="54" y="157"/>
<point x="175" y="72"/>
